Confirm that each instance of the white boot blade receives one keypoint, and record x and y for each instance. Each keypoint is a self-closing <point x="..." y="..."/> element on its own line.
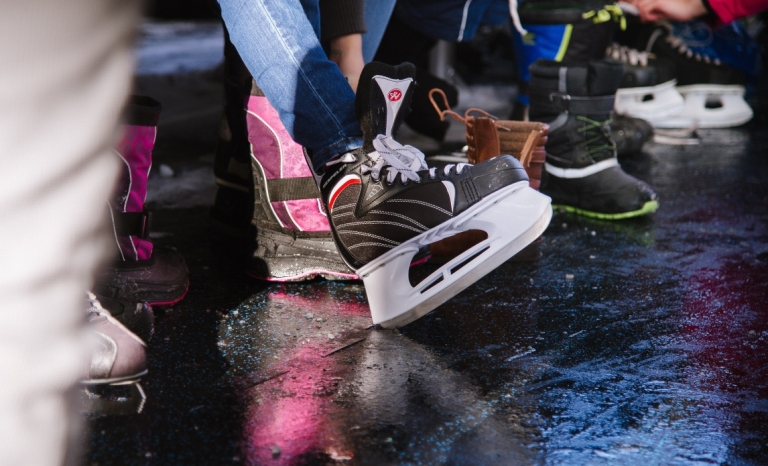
<point x="734" y="110"/>
<point x="513" y="218"/>
<point x="665" y="101"/>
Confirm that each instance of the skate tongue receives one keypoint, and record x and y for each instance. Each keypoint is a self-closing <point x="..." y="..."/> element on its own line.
<point x="394" y="91"/>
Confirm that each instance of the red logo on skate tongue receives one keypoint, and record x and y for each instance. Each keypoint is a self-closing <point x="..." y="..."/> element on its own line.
<point x="395" y="95"/>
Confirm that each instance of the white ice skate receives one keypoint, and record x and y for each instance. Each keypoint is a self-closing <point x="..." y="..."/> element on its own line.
<point x="713" y="92"/>
<point x="647" y="88"/>
<point x="650" y="103"/>
<point x="384" y="204"/>
<point x="709" y="106"/>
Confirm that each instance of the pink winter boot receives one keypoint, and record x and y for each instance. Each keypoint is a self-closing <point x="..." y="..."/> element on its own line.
<point x="141" y="272"/>
<point x="291" y="237"/>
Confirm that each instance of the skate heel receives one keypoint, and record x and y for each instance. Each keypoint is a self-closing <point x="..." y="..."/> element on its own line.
<point x="650" y="103"/>
<point x="512" y="217"/>
<point x="284" y="256"/>
<point x="710" y="106"/>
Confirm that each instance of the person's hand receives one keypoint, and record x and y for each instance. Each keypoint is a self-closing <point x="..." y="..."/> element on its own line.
<point x="676" y="10"/>
<point x="347" y="52"/>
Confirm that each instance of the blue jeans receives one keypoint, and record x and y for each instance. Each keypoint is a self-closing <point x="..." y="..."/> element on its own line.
<point x="377" y="14"/>
<point x="277" y="40"/>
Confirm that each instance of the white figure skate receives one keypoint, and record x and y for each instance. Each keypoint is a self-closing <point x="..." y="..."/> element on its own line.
<point x="384" y="204"/>
<point x="710" y="106"/>
<point x="647" y="88"/>
<point x="713" y="92"/>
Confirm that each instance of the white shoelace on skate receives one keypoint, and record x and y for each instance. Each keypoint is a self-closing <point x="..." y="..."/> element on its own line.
<point x="397" y="159"/>
<point x="625" y="54"/>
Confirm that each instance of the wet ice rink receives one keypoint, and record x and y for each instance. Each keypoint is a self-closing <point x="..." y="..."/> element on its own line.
<point x="630" y="342"/>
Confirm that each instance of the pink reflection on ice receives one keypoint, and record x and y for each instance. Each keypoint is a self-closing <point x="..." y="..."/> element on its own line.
<point x="295" y="415"/>
<point x="321" y="301"/>
<point x="292" y="419"/>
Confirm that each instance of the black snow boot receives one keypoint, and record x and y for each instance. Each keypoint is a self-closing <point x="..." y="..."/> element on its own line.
<point x="583" y="174"/>
<point x="630" y="134"/>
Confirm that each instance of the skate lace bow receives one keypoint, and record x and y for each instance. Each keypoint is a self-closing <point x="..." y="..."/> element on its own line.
<point x="397" y="159"/>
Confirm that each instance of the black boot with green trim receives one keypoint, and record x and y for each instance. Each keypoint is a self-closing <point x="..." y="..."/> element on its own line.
<point x="582" y="174"/>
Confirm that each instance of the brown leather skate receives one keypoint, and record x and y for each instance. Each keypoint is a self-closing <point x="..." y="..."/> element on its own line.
<point x="489" y="137"/>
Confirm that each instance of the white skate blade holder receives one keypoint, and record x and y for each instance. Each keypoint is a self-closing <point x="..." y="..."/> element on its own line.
<point x="512" y="217"/>
<point x="649" y="103"/>
<point x="731" y="110"/>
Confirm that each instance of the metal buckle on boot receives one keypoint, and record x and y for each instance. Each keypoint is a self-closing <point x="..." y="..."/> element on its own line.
<point x="133" y="223"/>
<point x="557" y="94"/>
<point x="562" y="104"/>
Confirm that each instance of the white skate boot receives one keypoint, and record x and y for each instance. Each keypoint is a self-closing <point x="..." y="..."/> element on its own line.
<point x="713" y="92"/>
<point x="647" y="88"/>
<point x="384" y="204"/>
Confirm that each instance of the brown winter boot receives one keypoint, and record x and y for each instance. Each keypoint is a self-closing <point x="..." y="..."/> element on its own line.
<point x="489" y="137"/>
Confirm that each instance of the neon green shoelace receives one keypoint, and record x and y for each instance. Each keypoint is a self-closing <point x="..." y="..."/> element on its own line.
<point x="607" y="13"/>
<point x="596" y="132"/>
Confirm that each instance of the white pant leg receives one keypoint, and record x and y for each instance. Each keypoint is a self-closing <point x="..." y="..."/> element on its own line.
<point x="65" y="70"/>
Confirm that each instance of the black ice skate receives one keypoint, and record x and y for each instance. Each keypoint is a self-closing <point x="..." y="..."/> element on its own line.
<point x="384" y="204"/>
<point x="583" y="174"/>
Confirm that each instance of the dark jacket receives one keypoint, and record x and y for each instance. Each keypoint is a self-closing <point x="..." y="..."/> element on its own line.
<point x="451" y="20"/>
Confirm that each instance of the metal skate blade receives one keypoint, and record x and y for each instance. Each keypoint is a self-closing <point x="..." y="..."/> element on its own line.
<point x="675" y="141"/>
<point x="123" y="399"/>
<point x="689" y="132"/>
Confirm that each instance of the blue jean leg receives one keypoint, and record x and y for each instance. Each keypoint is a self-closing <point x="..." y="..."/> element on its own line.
<point x="279" y="46"/>
<point x="377" y="14"/>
